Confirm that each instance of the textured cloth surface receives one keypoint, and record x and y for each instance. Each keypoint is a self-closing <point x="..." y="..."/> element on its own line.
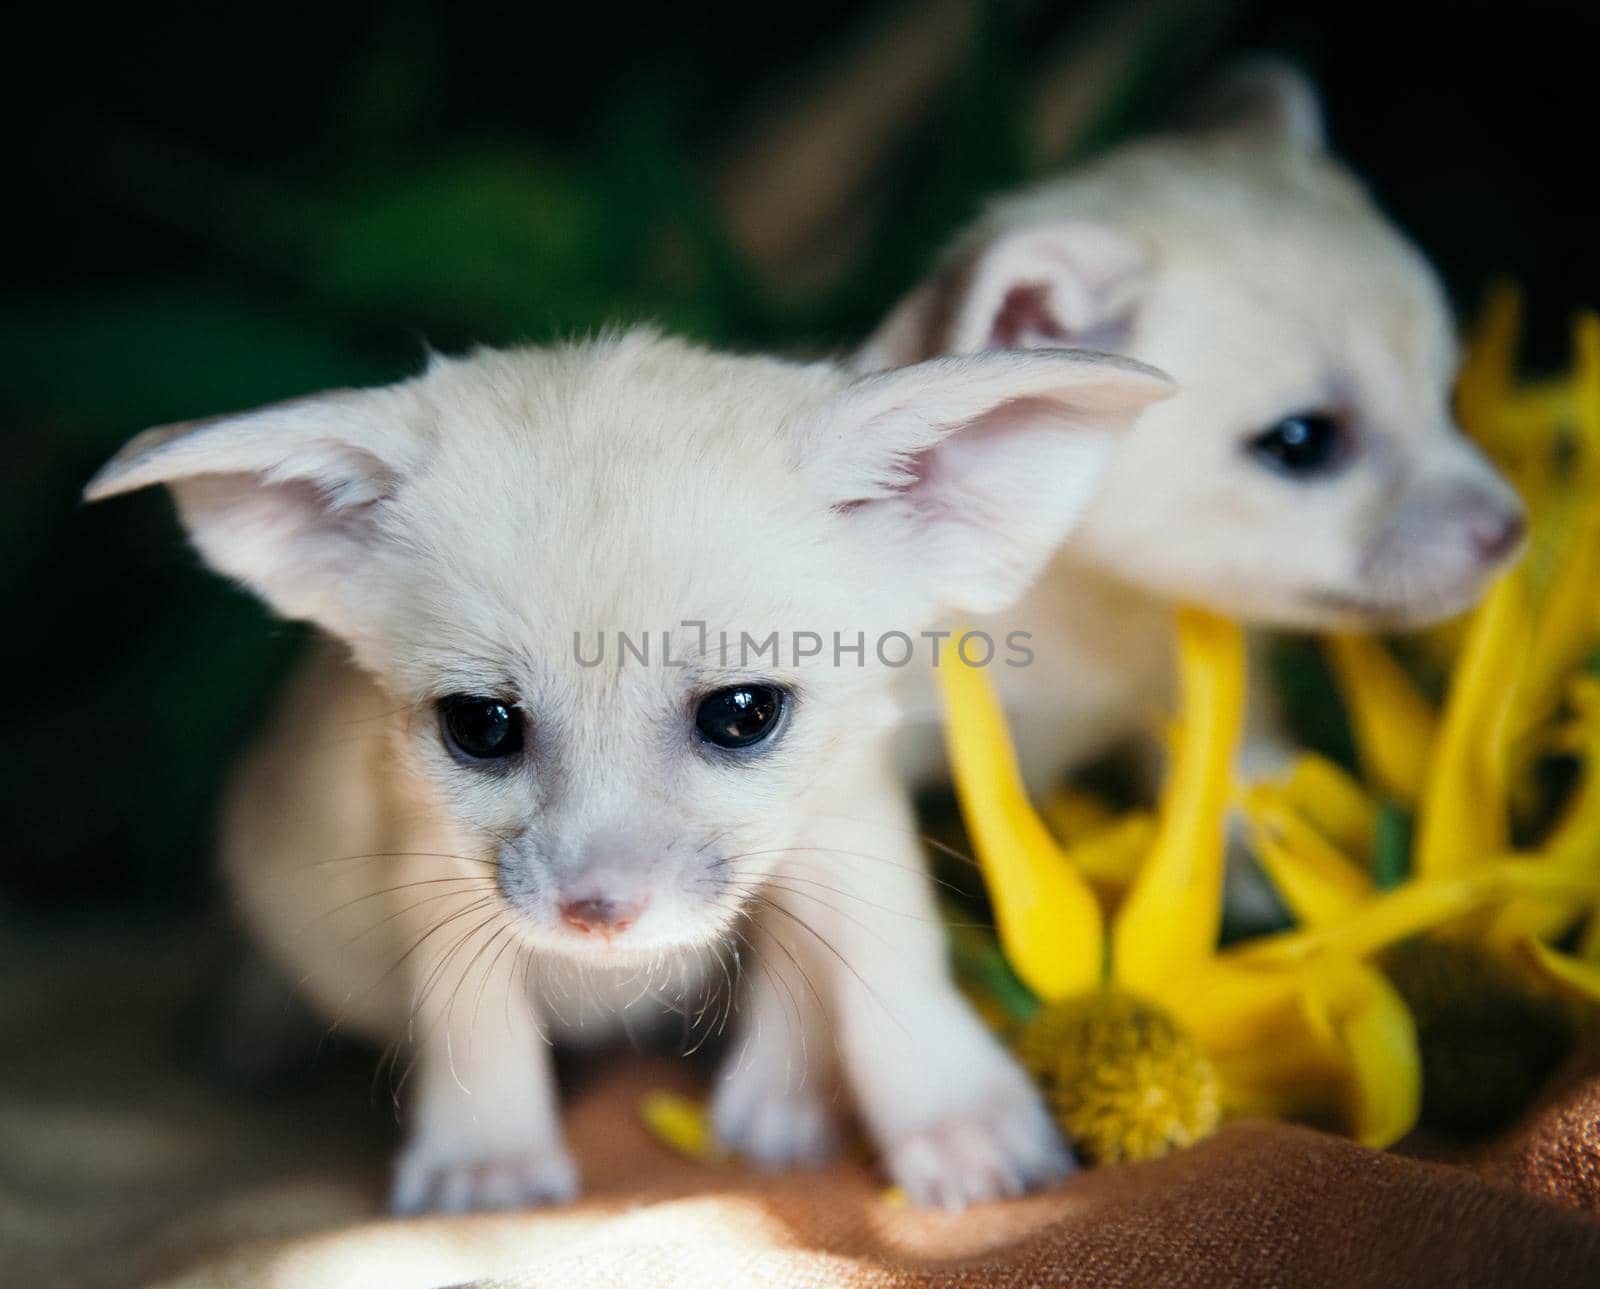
<point x="120" y="1165"/>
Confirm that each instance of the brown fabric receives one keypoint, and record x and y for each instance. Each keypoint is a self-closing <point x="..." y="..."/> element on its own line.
<point x="119" y="1165"/>
<point x="1555" y="1151"/>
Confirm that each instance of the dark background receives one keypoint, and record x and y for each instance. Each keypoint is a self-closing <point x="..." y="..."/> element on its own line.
<point x="211" y="207"/>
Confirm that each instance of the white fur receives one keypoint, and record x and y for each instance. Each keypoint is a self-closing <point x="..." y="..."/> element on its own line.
<point x="454" y="532"/>
<point x="1244" y="260"/>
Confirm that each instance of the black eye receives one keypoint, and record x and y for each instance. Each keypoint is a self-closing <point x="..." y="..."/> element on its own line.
<point x="739" y="716"/>
<point x="480" y="729"/>
<point x="1308" y="443"/>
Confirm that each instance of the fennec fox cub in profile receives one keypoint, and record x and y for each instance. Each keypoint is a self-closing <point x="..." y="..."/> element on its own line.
<point x="1307" y="475"/>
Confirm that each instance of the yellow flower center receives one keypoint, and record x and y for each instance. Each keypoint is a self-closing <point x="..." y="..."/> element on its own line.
<point x="1124" y="1080"/>
<point x="1487" y="1037"/>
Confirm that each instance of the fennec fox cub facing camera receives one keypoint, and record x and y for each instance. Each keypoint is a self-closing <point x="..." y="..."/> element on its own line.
<point x="478" y="823"/>
<point x="1307" y="475"/>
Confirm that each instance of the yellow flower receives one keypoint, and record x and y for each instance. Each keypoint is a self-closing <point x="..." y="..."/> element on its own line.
<point x="1525" y="649"/>
<point x="1464" y="806"/>
<point x="1315" y="1032"/>
<point x="1123" y="1078"/>
<point x="1481" y="984"/>
<point x="1471" y="962"/>
<point x="1140" y="1008"/>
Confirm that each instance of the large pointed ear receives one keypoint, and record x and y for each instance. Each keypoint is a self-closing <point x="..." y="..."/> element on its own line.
<point x="282" y="499"/>
<point x="975" y="469"/>
<point x="1040" y="286"/>
<point x="1267" y="97"/>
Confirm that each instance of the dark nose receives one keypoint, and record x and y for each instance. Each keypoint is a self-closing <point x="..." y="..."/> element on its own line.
<point x="1497" y="533"/>
<point x="600" y="917"/>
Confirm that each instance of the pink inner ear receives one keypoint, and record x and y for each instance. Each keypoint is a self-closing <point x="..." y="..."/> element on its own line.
<point x="977" y="476"/>
<point x="1025" y="316"/>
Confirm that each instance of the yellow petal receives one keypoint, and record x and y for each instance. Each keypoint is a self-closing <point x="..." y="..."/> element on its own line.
<point x="1566" y="624"/>
<point x="1345" y="1042"/>
<point x="1531" y="412"/>
<point x="1287" y="1071"/>
<point x="681" y="1124"/>
<point x="1515" y="423"/>
<point x="1586" y="382"/>
<point x="1316" y="880"/>
<point x="1589" y="946"/>
<point x="1291" y="1079"/>
<point x="1074" y="814"/>
<point x="1393" y="724"/>
<point x="1173" y="912"/>
<point x="1572" y="846"/>
<point x="1574" y="840"/>
<point x="1362" y="1021"/>
<point x="1407" y="910"/>
<point x="1110" y="858"/>
<point x="1233" y="1007"/>
<point x="1048" y="919"/>
<point x="1532" y="874"/>
<point x="1577" y="976"/>
<point x="1416" y="906"/>
<point x="1437" y="645"/>
<point x="1560" y="881"/>
<point x="1335" y="804"/>
<point x="1489" y="370"/>
<point x="1464" y="813"/>
<point x="1530" y="917"/>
